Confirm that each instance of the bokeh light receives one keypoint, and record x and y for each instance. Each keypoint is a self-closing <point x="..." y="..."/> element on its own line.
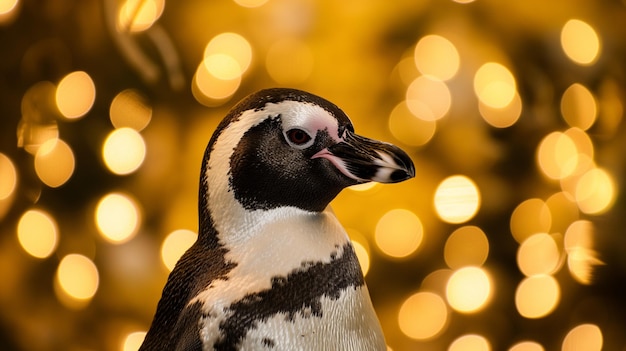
<point x="495" y="85"/>
<point x="466" y="246"/>
<point x="581" y="256"/>
<point x="211" y="90"/>
<point x="8" y="174"/>
<point x="578" y="106"/>
<point x="586" y="337"/>
<point x="133" y="341"/>
<point x="502" y="117"/>
<point x="130" y="109"/>
<point x="538" y="254"/>
<point x="251" y="3"/>
<point x="8" y="10"/>
<point x="457" y="199"/>
<point x="423" y="315"/>
<point x="537" y="296"/>
<point x="530" y="217"/>
<point x="470" y="342"/>
<point x="437" y="57"/>
<point x="595" y="191"/>
<point x="527" y="346"/>
<point x="409" y="129"/>
<point x="75" y="94"/>
<point x="54" y="162"/>
<point x="117" y="217"/>
<point x="468" y="289"/>
<point x="580" y="42"/>
<point x="289" y="61"/>
<point x="124" y="151"/>
<point x="428" y="99"/>
<point x="38" y="233"/>
<point x="233" y="46"/>
<point x="399" y="233"/>
<point x="175" y="245"/>
<point x="362" y="255"/>
<point x="139" y="15"/>
<point x="78" y="277"/>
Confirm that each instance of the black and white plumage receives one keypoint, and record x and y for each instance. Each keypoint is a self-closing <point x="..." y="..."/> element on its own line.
<point x="272" y="267"/>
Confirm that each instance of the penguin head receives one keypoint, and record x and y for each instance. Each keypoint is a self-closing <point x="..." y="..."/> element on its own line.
<point x="286" y="147"/>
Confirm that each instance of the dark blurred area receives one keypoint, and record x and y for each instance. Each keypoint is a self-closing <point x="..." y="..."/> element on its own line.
<point x="511" y="236"/>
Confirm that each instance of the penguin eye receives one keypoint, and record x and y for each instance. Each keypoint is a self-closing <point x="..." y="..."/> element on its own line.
<point x="298" y="137"/>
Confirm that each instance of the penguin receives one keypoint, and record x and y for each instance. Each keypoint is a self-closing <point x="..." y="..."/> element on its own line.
<point x="272" y="268"/>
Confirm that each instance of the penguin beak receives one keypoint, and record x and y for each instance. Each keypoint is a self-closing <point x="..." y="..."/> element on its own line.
<point x="365" y="160"/>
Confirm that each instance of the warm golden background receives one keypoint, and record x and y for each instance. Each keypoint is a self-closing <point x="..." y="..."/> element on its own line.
<point x="511" y="236"/>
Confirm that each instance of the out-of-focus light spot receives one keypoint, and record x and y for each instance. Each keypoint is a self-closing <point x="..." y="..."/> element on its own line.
<point x="362" y="255"/>
<point x="210" y="90"/>
<point x="538" y="254"/>
<point x="75" y="95"/>
<point x="580" y="42"/>
<point x="139" y="15"/>
<point x="466" y="246"/>
<point x="133" y="341"/>
<point x="437" y="57"/>
<point x="8" y="174"/>
<point x="408" y="129"/>
<point x="527" y="346"/>
<point x="399" y="233"/>
<point x="117" y="217"/>
<point x="557" y="155"/>
<point x="585" y="149"/>
<point x="530" y="217"/>
<point x="175" y="245"/>
<point x="563" y="211"/>
<point x="537" y="296"/>
<point x="78" y="277"/>
<point x="470" y="342"/>
<point x="289" y="61"/>
<point x="130" y="109"/>
<point x="31" y="135"/>
<point x="595" y="191"/>
<point x="54" y="163"/>
<point x="502" y="117"/>
<point x="586" y="337"/>
<point x="233" y="46"/>
<point x="578" y="106"/>
<point x="363" y="186"/>
<point x="423" y="315"/>
<point x="251" y="3"/>
<point x="495" y="85"/>
<point x="124" y="151"/>
<point x="468" y="289"/>
<point x="37" y="233"/>
<point x="464" y="1"/>
<point x="428" y="99"/>
<point x="457" y="199"/>
<point x="8" y="10"/>
<point x="581" y="257"/>
<point x="222" y="66"/>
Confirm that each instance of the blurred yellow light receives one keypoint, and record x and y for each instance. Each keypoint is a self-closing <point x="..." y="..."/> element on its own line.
<point x="470" y="342"/>
<point x="595" y="191"/>
<point x="423" y="315"/>
<point x="54" y="163"/>
<point x="37" y="233"/>
<point x="580" y="42"/>
<point x="584" y="147"/>
<point x="530" y="217"/>
<point x="579" y="107"/>
<point x="428" y="99"/>
<point x="457" y="199"/>
<point x="399" y="233"/>
<point x="563" y="211"/>
<point x="527" y="346"/>
<point x="466" y="246"/>
<point x="117" y="217"/>
<point x="437" y="57"/>
<point x="581" y="257"/>
<point x="538" y="254"/>
<point x="464" y="1"/>
<point x="408" y="129"/>
<point x="222" y="66"/>
<point x="139" y="15"/>
<point x="586" y="337"/>
<point x="363" y="186"/>
<point x="78" y="276"/>
<point x="210" y="90"/>
<point x="557" y="155"/>
<point x="362" y="255"/>
<point x="289" y="61"/>
<point x="495" y="85"/>
<point x="234" y="46"/>
<point x="130" y="109"/>
<point x="468" y="289"/>
<point x="8" y="174"/>
<point x="537" y="296"/>
<point x="8" y="10"/>
<point x="502" y="117"/>
<point x="133" y="341"/>
<point x="175" y="245"/>
<point x="75" y="95"/>
<point x="124" y="151"/>
<point x="251" y="3"/>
